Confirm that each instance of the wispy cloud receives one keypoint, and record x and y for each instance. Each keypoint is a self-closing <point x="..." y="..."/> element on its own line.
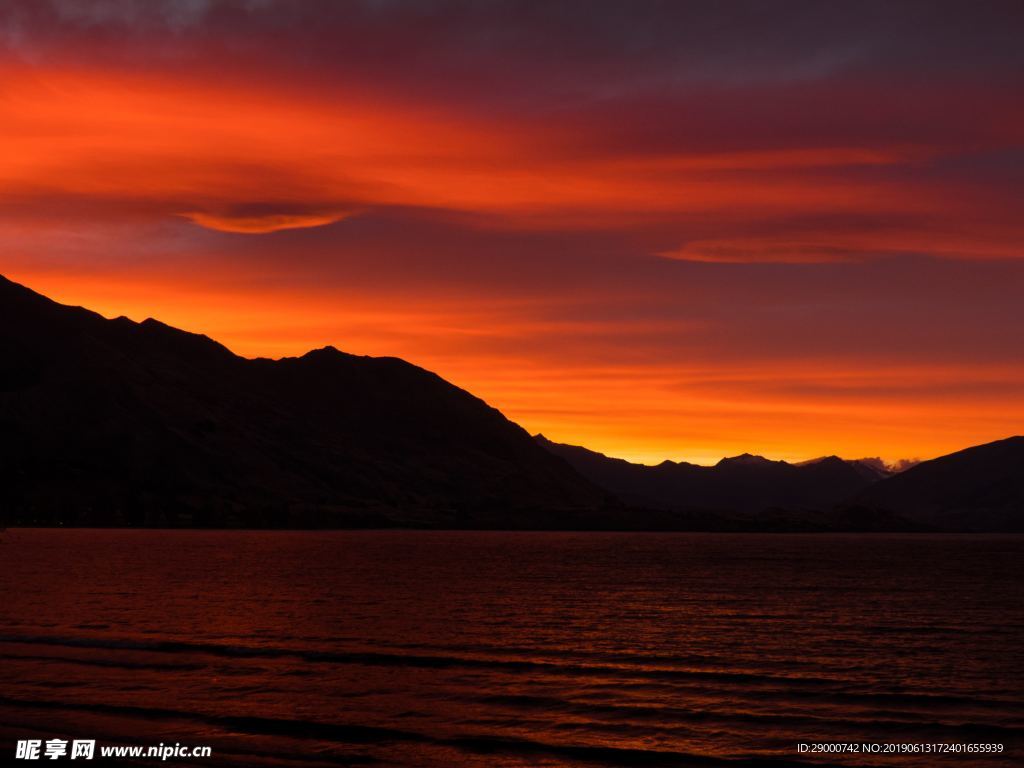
<point x="262" y="224"/>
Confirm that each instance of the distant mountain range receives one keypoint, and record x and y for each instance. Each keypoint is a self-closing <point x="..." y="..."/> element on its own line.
<point x="742" y="483"/>
<point x="978" y="489"/>
<point x="112" y="422"/>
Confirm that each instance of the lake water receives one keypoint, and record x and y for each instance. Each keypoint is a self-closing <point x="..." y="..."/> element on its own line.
<point x="513" y="649"/>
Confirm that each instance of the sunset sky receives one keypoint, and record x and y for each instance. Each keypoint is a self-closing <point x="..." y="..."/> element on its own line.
<point x="657" y="229"/>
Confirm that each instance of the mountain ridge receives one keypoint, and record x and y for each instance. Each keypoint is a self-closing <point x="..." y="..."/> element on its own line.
<point x="113" y="422"/>
<point x="745" y="483"/>
<point x="980" y="488"/>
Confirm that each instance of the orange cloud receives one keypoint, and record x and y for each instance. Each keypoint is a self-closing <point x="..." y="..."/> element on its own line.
<point x="1002" y="241"/>
<point x="259" y="225"/>
<point x="184" y="143"/>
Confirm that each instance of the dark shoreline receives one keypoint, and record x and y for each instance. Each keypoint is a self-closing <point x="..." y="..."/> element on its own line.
<point x="506" y="529"/>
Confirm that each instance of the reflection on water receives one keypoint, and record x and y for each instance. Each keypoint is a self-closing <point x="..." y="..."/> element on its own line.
<point x="498" y="649"/>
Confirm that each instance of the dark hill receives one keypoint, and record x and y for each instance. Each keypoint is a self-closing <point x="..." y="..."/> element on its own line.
<point x="745" y="483"/>
<point x="977" y="489"/>
<point x="112" y="422"/>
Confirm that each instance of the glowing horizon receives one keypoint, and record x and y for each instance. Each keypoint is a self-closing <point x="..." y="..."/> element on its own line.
<point x="640" y="235"/>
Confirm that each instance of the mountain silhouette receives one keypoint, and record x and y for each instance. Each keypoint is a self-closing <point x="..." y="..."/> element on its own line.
<point x="744" y="483"/>
<point x="117" y="423"/>
<point x="113" y="422"/>
<point x="977" y="489"/>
